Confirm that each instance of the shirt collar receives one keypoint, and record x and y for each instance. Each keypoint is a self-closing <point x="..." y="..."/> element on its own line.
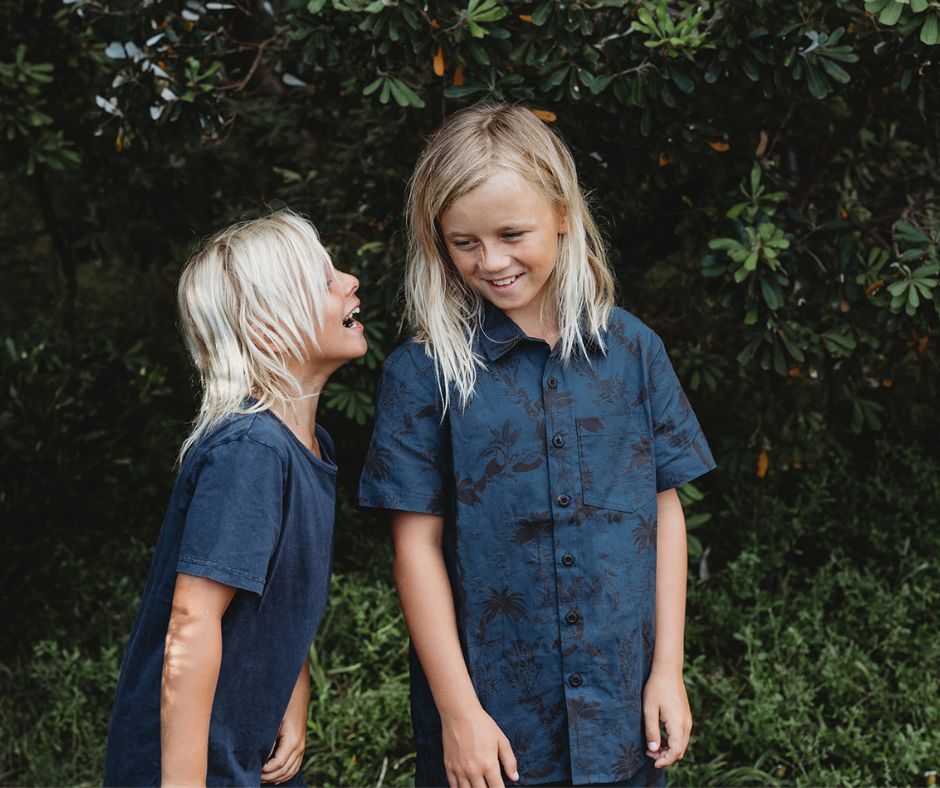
<point x="499" y="334"/>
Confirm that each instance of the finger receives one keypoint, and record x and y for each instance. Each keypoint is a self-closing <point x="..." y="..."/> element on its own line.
<point x="478" y="780"/>
<point x="508" y="759"/>
<point x="452" y="781"/>
<point x="278" y="756"/>
<point x="293" y="766"/>
<point x="651" y="727"/>
<point x="493" y="777"/>
<point x="286" y="771"/>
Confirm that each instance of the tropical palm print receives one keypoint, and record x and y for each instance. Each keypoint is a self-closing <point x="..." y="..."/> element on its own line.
<point x="547" y="481"/>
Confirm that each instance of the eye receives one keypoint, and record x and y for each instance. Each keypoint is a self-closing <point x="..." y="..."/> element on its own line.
<point x="513" y="235"/>
<point x="463" y="244"/>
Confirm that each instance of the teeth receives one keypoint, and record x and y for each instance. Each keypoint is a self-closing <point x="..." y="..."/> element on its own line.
<point x="349" y="319"/>
<point x="502" y="282"/>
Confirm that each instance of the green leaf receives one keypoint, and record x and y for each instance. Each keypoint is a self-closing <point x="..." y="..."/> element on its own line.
<point x="918" y="6"/>
<point x="816" y="82"/>
<point x="835" y="71"/>
<point x="540" y="15"/>
<point x="315" y="6"/>
<point x="930" y="32"/>
<point x="891" y="13"/>
<point x="907" y="232"/>
<point x="771" y="294"/>
<point x="373" y="86"/>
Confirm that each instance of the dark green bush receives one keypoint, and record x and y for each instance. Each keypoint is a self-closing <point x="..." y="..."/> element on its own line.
<point x="767" y="176"/>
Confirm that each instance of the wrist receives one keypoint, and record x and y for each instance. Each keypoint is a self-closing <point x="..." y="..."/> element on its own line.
<point x="668" y="665"/>
<point x="459" y="708"/>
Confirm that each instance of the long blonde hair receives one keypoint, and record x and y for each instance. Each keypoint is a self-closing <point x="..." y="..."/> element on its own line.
<point x="469" y="147"/>
<point x="250" y="301"/>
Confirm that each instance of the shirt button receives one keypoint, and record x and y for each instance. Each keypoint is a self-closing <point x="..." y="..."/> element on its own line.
<point x="571" y="617"/>
<point x="552" y="383"/>
<point x="558" y="441"/>
<point x="567" y="559"/>
<point x="563" y="500"/>
<point x="575" y="680"/>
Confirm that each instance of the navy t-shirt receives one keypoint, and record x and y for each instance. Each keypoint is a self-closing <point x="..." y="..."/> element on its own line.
<point x="252" y="508"/>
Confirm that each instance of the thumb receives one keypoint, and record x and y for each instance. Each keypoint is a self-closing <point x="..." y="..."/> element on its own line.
<point x="507" y="759"/>
<point x="651" y="725"/>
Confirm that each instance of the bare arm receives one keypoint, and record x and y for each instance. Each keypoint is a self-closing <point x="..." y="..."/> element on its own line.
<point x="288" y="754"/>
<point x="474" y="746"/>
<point x="664" y="697"/>
<point x="190" y="673"/>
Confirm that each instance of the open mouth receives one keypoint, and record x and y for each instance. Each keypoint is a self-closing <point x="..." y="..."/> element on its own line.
<point x="350" y="320"/>
<point x="504" y="283"/>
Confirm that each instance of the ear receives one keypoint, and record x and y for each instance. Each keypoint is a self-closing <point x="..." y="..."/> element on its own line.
<point x="562" y="219"/>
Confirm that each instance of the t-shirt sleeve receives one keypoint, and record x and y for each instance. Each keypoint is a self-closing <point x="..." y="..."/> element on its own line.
<point x="408" y="462"/>
<point x="680" y="449"/>
<point x="233" y="522"/>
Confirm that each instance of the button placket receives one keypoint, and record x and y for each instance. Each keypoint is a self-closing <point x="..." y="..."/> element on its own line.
<point x="558" y="423"/>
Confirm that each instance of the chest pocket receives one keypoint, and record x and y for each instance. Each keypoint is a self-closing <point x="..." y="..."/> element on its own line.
<point x="617" y="470"/>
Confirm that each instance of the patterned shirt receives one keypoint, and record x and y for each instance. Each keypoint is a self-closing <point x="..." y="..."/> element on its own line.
<point x="547" y="481"/>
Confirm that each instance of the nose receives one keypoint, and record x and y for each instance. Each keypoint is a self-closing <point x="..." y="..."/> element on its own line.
<point x="491" y="259"/>
<point x="350" y="282"/>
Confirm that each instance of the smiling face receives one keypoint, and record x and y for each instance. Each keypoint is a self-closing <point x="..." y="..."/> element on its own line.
<point x="503" y="238"/>
<point x="341" y="337"/>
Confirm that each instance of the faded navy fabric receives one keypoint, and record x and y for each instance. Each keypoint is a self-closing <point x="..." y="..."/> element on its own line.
<point x="252" y="508"/>
<point x="547" y="482"/>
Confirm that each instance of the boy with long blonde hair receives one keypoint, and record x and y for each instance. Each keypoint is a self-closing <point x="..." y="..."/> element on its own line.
<point x="214" y="686"/>
<point x="528" y="443"/>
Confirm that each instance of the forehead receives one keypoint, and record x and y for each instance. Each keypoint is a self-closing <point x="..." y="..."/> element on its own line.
<point x="503" y="196"/>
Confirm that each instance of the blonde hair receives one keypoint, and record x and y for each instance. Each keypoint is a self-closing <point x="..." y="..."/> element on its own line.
<point x="250" y="301"/>
<point x="469" y="147"/>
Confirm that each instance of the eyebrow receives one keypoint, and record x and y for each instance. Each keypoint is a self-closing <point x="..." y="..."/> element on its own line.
<point x="527" y="225"/>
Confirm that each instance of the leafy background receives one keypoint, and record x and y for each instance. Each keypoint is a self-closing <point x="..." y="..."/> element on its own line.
<point x="767" y="177"/>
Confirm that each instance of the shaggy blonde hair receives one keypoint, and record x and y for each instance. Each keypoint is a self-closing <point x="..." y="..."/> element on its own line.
<point x="469" y="147"/>
<point x="250" y="301"/>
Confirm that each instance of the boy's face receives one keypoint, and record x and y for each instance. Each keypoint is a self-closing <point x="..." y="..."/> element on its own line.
<point x="503" y="239"/>
<point x="341" y="336"/>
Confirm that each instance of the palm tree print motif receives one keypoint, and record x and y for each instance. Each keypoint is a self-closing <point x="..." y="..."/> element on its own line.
<point x="537" y="528"/>
<point x="579" y="710"/>
<point x="534" y="529"/>
<point x="627" y="764"/>
<point x="644" y="533"/>
<point x="501" y="603"/>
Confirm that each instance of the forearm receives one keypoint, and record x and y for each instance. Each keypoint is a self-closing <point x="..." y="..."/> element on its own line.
<point x="190" y="674"/>
<point x="299" y="703"/>
<point x="671" y="571"/>
<point x="428" y="604"/>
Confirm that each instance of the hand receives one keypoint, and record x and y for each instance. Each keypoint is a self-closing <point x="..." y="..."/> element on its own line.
<point x="288" y="754"/>
<point x="665" y="701"/>
<point x="474" y="748"/>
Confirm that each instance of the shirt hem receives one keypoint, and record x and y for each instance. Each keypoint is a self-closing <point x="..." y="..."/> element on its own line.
<point x="399" y="504"/>
<point x="221" y="574"/>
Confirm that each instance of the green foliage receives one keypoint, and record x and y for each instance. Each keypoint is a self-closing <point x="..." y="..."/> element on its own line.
<point x="766" y="175"/>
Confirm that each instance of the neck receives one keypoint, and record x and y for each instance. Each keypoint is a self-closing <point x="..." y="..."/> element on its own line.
<point x="300" y="414"/>
<point x="532" y="324"/>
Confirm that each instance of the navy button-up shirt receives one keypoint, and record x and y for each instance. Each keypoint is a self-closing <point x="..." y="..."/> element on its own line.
<point x="547" y="482"/>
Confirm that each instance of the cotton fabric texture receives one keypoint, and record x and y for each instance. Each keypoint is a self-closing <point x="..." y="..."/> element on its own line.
<point x="252" y="508"/>
<point x="547" y="482"/>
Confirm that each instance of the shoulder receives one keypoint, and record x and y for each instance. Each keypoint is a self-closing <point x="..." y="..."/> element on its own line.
<point x="409" y="357"/>
<point x="254" y="438"/>
<point x="411" y="364"/>
<point x="626" y="332"/>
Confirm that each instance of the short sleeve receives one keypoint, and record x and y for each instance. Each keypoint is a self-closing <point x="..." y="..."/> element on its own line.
<point x="680" y="449"/>
<point x="408" y="461"/>
<point x="233" y="522"/>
